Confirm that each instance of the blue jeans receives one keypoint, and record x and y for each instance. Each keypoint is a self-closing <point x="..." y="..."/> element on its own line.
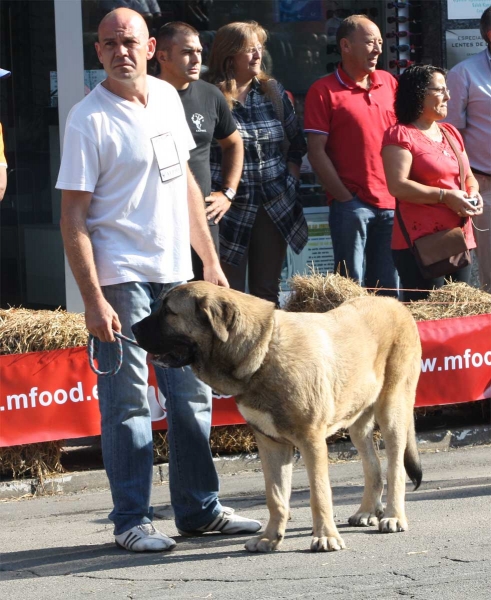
<point x="361" y="236"/>
<point x="126" y="426"/>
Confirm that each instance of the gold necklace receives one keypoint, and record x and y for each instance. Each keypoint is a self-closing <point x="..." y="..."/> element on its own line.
<point x="440" y="141"/>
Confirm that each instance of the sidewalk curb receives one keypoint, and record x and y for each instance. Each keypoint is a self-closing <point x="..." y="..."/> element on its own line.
<point x="96" y="479"/>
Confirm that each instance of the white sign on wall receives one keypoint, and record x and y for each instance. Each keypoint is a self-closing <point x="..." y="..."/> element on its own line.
<point x="466" y="9"/>
<point x="318" y="252"/>
<point x="462" y="43"/>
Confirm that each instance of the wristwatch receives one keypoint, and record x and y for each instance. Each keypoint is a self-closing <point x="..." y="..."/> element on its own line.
<point x="230" y="193"/>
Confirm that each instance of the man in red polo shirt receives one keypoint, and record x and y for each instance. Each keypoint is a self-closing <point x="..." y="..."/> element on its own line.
<point x="346" y="114"/>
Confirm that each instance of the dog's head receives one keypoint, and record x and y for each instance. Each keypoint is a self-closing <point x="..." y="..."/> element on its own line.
<point x="193" y="318"/>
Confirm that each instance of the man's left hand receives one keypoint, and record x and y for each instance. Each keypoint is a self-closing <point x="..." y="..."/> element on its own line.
<point x="215" y="275"/>
<point x="217" y="205"/>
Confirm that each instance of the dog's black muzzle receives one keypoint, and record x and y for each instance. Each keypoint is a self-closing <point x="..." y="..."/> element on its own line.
<point x="167" y="351"/>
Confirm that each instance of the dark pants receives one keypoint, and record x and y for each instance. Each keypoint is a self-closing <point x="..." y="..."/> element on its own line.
<point x="411" y="279"/>
<point x="264" y="258"/>
<point x="197" y="262"/>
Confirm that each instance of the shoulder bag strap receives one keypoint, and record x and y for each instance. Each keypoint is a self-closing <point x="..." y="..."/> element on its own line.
<point x="276" y="100"/>
<point x="403" y="227"/>
<point x="459" y="157"/>
<point x="461" y="165"/>
<point x="279" y="110"/>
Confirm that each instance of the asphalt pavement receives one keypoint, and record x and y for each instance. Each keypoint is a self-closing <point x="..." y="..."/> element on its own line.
<point x="61" y="546"/>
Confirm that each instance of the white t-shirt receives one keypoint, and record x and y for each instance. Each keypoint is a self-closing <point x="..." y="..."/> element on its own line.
<point x="133" y="159"/>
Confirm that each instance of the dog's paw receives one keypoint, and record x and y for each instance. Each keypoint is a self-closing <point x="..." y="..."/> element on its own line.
<point x="365" y="519"/>
<point x="392" y="525"/>
<point x="262" y="544"/>
<point x="327" y="544"/>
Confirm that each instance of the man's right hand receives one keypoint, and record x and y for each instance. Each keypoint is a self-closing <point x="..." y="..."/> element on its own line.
<point x="101" y="319"/>
<point x="217" y="205"/>
<point x="347" y="198"/>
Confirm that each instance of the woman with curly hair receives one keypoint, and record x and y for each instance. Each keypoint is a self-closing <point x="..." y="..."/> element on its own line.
<point x="266" y="214"/>
<point x="422" y="172"/>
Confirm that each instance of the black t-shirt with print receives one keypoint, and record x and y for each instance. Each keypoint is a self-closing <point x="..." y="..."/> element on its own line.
<point x="208" y="117"/>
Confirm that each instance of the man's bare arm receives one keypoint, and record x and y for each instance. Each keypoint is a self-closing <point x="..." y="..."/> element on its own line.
<point x="232" y="163"/>
<point x="201" y="239"/>
<point x="324" y="169"/>
<point x="3" y="182"/>
<point x="100" y="317"/>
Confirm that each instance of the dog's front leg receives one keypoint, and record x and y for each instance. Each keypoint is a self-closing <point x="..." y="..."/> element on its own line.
<point x="276" y="461"/>
<point x="326" y="537"/>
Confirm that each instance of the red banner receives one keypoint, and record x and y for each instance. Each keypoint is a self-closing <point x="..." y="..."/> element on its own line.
<point x="52" y="395"/>
<point x="456" y="365"/>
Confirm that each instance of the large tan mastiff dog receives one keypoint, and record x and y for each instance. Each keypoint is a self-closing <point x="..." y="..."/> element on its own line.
<point x="298" y="378"/>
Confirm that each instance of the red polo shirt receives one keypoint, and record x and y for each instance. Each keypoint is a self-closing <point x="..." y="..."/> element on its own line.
<point x="354" y="121"/>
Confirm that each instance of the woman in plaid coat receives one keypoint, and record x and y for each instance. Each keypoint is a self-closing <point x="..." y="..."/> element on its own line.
<point x="266" y="214"/>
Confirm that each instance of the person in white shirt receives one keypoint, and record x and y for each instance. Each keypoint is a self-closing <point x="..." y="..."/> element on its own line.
<point x="130" y="209"/>
<point x="469" y="109"/>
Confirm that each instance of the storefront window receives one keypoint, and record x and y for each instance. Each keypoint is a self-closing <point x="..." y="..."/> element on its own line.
<point x="32" y="263"/>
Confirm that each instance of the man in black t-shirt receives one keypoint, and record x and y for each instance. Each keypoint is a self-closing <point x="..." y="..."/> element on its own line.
<point x="208" y="116"/>
<point x="179" y="57"/>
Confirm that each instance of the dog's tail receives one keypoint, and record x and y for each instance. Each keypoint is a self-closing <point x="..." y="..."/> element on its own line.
<point x="412" y="463"/>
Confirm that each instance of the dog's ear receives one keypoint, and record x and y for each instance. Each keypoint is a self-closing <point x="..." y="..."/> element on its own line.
<point x="221" y="314"/>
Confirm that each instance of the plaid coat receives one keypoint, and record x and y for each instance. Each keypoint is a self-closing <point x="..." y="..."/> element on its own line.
<point x="265" y="178"/>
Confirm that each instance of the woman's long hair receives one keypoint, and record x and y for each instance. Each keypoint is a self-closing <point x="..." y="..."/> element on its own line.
<point x="230" y="40"/>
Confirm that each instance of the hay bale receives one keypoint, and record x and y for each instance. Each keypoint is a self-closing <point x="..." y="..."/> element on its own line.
<point x="320" y="293"/>
<point x="160" y="447"/>
<point x="32" y="460"/>
<point x="228" y="439"/>
<point x="450" y="301"/>
<point x="23" y="330"/>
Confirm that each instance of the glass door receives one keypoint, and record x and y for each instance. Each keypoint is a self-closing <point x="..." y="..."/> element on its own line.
<point x="31" y="252"/>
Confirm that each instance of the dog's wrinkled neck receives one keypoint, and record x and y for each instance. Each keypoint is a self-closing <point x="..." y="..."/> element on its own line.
<point x="233" y="375"/>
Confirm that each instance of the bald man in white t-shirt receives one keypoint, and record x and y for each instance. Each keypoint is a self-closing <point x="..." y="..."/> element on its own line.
<point x="130" y="209"/>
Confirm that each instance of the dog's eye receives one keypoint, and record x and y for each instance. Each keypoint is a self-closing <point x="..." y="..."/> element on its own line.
<point x="167" y="310"/>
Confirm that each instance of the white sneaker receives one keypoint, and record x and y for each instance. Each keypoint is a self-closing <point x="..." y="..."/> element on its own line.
<point x="226" y="522"/>
<point x="144" y="538"/>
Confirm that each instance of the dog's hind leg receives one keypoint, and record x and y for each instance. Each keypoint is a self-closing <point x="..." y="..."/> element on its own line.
<point x="371" y="508"/>
<point x="276" y="461"/>
<point x="325" y="534"/>
<point x="394" y="417"/>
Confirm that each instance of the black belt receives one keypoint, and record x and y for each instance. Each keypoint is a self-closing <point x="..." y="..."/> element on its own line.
<point x="478" y="172"/>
